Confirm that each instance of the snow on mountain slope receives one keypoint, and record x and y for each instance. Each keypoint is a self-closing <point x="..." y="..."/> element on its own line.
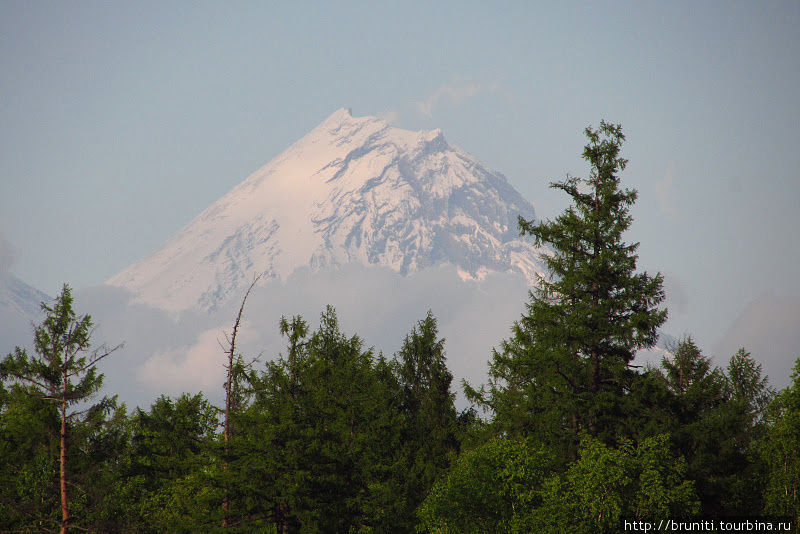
<point x="20" y="308"/>
<point x="353" y="190"/>
<point x="19" y="298"/>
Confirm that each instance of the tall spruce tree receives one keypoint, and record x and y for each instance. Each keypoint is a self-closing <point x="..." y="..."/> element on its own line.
<point x="568" y="365"/>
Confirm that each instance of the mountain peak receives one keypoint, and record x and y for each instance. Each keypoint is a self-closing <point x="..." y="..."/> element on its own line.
<point x="338" y="117"/>
<point x="353" y="190"/>
<point x="340" y="114"/>
<point x="343" y="127"/>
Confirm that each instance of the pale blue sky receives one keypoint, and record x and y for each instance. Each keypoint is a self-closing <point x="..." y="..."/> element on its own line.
<point x="120" y="122"/>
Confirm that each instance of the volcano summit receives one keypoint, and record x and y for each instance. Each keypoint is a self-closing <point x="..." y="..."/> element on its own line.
<point x="353" y="190"/>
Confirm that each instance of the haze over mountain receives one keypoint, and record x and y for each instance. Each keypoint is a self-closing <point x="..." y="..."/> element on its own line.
<point x="18" y="297"/>
<point x="354" y="190"/>
<point x="20" y="306"/>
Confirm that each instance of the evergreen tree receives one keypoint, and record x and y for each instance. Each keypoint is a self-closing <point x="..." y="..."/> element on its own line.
<point x="100" y="457"/>
<point x="429" y="441"/>
<point x="716" y="422"/>
<point x="29" y="475"/>
<point x="749" y="395"/>
<point x="62" y="371"/>
<point x="567" y="365"/>
<point x="323" y="433"/>
<point x="164" y="478"/>
<point x="269" y="475"/>
<point x="688" y="372"/>
<point x="698" y="426"/>
<point x="748" y="387"/>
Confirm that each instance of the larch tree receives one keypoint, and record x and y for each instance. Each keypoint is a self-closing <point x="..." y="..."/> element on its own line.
<point x="63" y="370"/>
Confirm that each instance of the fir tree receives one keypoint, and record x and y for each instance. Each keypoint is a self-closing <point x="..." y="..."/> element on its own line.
<point x="688" y="372"/>
<point x="748" y="386"/>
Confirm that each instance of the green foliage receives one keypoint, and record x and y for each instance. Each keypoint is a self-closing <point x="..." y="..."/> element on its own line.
<point x="429" y="428"/>
<point x="63" y="368"/>
<point x="28" y="461"/>
<point x="606" y="484"/>
<point x="566" y="366"/>
<point x="54" y="383"/>
<point x="168" y="466"/>
<point x="513" y="485"/>
<point x="331" y="437"/>
<point x="747" y="386"/>
<point x="716" y="420"/>
<point x="491" y="488"/>
<point x="781" y="452"/>
<point x="688" y="372"/>
<point x="325" y="419"/>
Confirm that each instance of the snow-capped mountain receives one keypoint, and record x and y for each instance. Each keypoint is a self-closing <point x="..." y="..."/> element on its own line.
<point x="19" y="298"/>
<point x="20" y="308"/>
<point x="353" y="190"/>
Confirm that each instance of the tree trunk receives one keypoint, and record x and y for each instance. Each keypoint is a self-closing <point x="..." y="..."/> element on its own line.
<point x="283" y="519"/>
<point x="594" y="386"/>
<point x="63" y="460"/>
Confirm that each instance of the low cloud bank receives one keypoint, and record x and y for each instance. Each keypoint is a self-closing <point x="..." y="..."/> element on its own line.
<point x="168" y="353"/>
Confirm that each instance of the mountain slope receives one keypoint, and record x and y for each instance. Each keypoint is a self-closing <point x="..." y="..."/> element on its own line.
<point x="19" y="298"/>
<point x="20" y="308"/>
<point x="353" y="190"/>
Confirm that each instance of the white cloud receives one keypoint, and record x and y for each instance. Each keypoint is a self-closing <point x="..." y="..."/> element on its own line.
<point x="192" y="368"/>
<point x="454" y="94"/>
<point x="167" y="354"/>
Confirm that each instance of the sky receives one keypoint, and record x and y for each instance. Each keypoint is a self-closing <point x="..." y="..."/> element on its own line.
<point x="119" y="122"/>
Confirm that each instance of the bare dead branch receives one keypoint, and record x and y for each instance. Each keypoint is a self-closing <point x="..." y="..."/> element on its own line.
<point x="228" y="383"/>
<point x="96" y="358"/>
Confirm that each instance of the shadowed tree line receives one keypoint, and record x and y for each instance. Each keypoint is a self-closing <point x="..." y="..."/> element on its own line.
<point x="331" y="436"/>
